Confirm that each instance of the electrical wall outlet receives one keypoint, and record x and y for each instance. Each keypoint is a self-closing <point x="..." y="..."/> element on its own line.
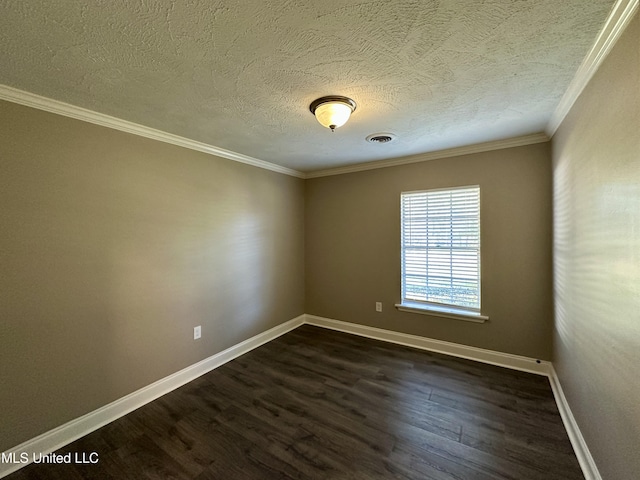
<point x="378" y="306"/>
<point x="197" y="332"/>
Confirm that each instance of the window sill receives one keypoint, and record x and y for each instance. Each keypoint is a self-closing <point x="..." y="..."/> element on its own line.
<point x="447" y="312"/>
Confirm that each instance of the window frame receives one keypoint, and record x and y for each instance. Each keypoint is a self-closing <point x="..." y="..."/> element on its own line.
<point x="449" y="310"/>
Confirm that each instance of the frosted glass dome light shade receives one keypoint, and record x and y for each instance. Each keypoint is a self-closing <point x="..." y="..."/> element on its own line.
<point x="333" y="115"/>
<point x="332" y="112"/>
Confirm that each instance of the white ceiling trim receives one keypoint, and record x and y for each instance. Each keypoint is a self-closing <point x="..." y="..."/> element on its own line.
<point x="618" y="19"/>
<point x="423" y="157"/>
<point x="61" y="108"/>
<point x="54" y="106"/>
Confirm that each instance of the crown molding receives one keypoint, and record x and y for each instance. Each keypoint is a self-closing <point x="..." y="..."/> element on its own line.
<point x="618" y="19"/>
<point x="54" y="106"/>
<point x="423" y="157"/>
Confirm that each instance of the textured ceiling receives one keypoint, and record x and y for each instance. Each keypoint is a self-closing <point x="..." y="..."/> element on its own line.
<point x="241" y="75"/>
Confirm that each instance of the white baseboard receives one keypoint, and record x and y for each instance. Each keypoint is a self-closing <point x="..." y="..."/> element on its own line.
<point x="515" y="362"/>
<point x="588" y="465"/>
<point x="63" y="435"/>
<point x="507" y="360"/>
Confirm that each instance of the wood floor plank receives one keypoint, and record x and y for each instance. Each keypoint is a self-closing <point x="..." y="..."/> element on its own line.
<point x="435" y="467"/>
<point x="320" y="404"/>
<point x="515" y="449"/>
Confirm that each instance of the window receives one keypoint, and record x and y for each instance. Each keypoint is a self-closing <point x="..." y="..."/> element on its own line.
<point x="441" y="251"/>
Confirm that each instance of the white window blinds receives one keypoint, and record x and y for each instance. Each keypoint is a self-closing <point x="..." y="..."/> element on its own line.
<point x="441" y="247"/>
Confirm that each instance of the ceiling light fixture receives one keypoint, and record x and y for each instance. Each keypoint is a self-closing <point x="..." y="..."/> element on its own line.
<point x="333" y="111"/>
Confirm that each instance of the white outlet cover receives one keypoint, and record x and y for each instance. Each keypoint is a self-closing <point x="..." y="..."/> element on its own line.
<point x="197" y="332"/>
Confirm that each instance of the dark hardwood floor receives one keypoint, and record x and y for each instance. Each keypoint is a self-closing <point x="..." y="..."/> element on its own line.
<point x="319" y="404"/>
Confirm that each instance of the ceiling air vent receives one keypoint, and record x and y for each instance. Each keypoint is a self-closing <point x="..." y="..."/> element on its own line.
<point x="381" y="138"/>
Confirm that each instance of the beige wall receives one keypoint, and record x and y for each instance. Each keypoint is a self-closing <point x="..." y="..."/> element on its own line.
<point x="353" y="247"/>
<point x="596" y="163"/>
<point x="113" y="247"/>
